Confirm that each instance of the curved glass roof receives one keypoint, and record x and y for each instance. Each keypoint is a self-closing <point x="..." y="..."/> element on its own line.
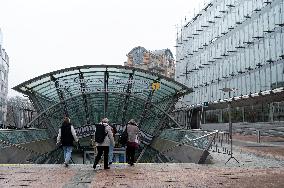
<point x="88" y="93"/>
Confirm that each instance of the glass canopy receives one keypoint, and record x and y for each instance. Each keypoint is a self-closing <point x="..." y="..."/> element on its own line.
<point x="88" y="93"/>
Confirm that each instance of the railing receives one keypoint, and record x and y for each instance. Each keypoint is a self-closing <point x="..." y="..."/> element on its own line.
<point x="193" y="142"/>
<point x="221" y="143"/>
<point x="6" y="143"/>
<point x="216" y="141"/>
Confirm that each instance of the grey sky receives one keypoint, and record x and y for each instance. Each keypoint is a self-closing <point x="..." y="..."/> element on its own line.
<point x="46" y="35"/>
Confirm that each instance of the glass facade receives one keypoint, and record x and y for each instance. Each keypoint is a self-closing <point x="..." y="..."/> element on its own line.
<point x="88" y="93"/>
<point x="4" y="69"/>
<point x="232" y="44"/>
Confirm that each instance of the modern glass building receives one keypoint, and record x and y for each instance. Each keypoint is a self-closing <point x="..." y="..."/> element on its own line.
<point x="236" y="44"/>
<point x="88" y="93"/>
<point x="4" y="69"/>
<point x="91" y="92"/>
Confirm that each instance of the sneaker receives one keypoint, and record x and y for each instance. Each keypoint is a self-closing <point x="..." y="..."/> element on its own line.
<point x="94" y="166"/>
<point x="110" y="163"/>
<point x="66" y="164"/>
<point x="107" y="168"/>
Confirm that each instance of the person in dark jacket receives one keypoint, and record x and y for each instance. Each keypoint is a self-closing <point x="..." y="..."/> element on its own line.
<point x="66" y="136"/>
<point x="103" y="148"/>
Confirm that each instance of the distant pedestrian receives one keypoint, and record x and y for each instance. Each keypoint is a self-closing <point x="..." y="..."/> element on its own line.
<point x="103" y="137"/>
<point x="111" y="147"/>
<point x="66" y="136"/>
<point x="132" y="144"/>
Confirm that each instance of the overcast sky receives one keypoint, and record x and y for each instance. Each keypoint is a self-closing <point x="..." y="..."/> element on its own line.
<point x="46" y="35"/>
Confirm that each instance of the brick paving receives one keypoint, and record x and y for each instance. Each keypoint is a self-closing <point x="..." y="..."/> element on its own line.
<point x="141" y="175"/>
<point x="261" y="165"/>
<point x="23" y="175"/>
<point x="272" y="147"/>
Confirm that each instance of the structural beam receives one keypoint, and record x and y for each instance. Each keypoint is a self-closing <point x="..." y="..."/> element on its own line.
<point x="116" y="93"/>
<point x="106" y="76"/>
<point x="85" y="102"/>
<point x="126" y="99"/>
<point x="169" y="109"/>
<point x="73" y="100"/>
<point x="147" y="104"/>
<point x="60" y="94"/>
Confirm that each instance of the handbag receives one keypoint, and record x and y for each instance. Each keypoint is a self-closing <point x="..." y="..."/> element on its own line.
<point x="136" y="140"/>
<point x="123" y="138"/>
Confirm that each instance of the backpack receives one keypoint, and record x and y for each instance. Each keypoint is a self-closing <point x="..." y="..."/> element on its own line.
<point x="123" y="138"/>
<point x="114" y="130"/>
<point x="100" y="133"/>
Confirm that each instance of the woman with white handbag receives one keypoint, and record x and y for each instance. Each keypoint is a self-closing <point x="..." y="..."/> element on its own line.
<point x="133" y="143"/>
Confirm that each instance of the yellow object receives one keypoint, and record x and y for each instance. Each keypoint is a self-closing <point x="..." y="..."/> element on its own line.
<point x="156" y="86"/>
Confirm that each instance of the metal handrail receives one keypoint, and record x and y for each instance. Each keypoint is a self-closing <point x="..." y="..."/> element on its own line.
<point x="189" y="140"/>
<point x="20" y="147"/>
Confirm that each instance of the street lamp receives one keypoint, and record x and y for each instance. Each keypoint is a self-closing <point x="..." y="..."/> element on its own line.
<point x="230" y="122"/>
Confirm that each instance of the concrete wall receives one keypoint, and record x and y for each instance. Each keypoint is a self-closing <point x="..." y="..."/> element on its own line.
<point x="41" y="146"/>
<point x="183" y="154"/>
<point x="12" y="154"/>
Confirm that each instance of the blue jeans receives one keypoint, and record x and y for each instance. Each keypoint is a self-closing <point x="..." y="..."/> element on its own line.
<point x="110" y="154"/>
<point x="67" y="153"/>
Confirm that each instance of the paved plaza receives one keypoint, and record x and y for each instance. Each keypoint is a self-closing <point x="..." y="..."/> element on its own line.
<point x="260" y="165"/>
<point x="256" y="169"/>
<point x="141" y="175"/>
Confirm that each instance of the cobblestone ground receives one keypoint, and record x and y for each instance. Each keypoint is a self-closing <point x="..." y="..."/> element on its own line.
<point x="260" y="165"/>
<point x="269" y="147"/>
<point x="141" y="175"/>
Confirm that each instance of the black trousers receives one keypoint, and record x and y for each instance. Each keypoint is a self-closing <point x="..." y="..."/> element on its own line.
<point x="130" y="154"/>
<point x="101" y="150"/>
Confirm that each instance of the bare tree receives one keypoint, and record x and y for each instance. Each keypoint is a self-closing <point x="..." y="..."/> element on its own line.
<point x="20" y="112"/>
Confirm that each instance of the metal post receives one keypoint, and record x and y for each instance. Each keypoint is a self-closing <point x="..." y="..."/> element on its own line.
<point x="258" y="136"/>
<point x="106" y="76"/>
<point x="243" y="113"/>
<point x="204" y="117"/>
<point x="230" y="130"/>
<point x="201" y="116"/>
<point x="230" y="120"/>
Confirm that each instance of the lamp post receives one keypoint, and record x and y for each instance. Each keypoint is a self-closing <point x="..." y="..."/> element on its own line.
<point x="230" y="123"/>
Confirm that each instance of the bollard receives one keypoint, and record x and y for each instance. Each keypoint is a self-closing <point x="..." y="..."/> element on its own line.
<point x="226" y="138"/>
<point x="213" y="147"/>
<point x="258" y="136"/>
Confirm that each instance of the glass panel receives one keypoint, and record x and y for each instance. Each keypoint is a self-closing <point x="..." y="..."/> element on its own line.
<point x="280" y="73"/>
<point x="35" y="83"/>
<point x="273" y="77"/>
<point x="262" y="80"/>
